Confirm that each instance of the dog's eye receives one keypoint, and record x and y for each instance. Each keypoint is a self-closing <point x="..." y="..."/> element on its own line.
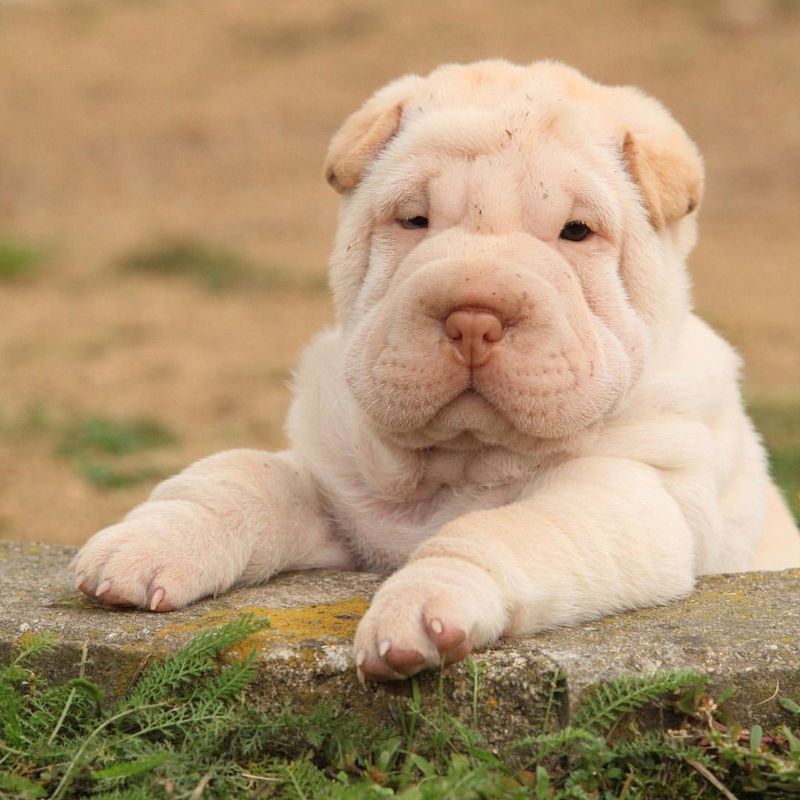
<point x="575" y="231"/>
<point x="414" y="223"/>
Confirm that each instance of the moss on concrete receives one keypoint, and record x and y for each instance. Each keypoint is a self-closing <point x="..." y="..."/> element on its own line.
<point x="314" y="624"/>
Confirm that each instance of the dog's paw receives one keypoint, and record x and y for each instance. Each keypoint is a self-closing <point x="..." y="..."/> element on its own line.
<point x="431" y="612"/>
<point x="152" y="561"/>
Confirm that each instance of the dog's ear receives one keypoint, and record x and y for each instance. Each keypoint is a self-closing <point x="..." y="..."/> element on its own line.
<point x="365" y="133"/>
<point x="668" y="170"/>
<point x="657" y="152"/>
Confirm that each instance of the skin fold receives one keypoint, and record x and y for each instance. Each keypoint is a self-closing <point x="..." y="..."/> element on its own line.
<point x="517" y="414"/>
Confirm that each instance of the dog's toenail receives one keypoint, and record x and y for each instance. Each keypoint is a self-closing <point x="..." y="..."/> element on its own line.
<point x="436" y="626"/>
<point x="384" y="647"/>
<point x="102" y="588"/>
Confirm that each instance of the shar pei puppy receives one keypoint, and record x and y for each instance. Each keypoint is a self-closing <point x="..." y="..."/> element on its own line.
<point x="517" y="414"/>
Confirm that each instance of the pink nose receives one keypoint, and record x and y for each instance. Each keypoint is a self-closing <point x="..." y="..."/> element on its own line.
<point x="473" y="333"/>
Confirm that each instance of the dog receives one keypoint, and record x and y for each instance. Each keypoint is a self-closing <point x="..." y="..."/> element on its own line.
<point x="517" y="414"/>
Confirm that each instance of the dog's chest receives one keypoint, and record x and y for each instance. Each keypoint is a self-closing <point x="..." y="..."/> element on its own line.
<point x="384" y="531"/>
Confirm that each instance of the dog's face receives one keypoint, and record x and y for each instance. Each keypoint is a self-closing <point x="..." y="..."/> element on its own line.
<point x="500" y="269"/>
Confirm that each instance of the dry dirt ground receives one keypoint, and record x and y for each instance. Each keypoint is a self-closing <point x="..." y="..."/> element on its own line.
<point x="126" y="124"/>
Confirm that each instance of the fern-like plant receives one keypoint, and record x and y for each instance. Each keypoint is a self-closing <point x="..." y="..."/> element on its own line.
<point x="184" y="731"/>
<point x="611" y="701"/>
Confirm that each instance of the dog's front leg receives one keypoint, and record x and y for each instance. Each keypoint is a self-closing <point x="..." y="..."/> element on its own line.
<point x="601" y="535"/>
<point x="237" y="517"/>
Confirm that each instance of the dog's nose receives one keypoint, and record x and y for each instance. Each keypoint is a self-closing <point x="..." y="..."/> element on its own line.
<point x="473" y="333"/>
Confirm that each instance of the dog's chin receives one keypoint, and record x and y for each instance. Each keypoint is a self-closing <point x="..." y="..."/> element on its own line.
<point x="467" y="422"/>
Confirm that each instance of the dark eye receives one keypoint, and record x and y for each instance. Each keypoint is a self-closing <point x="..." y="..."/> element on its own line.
<point x="575" y="231"/>
<point x="414" y="223"/>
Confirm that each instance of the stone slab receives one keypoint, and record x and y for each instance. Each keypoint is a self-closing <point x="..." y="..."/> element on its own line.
<point x="742" y="630"/>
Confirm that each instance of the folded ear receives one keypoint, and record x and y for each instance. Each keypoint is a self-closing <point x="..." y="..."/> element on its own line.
<point x="668" y="170"/>
<point x="365" y="133"/>
<point x="658" y="154"/>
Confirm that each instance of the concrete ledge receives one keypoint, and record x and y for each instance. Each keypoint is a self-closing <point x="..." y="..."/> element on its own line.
<point x="742" y="630"/>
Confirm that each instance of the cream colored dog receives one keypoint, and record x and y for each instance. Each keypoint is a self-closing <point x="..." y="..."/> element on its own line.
<point x="517" y="410"/>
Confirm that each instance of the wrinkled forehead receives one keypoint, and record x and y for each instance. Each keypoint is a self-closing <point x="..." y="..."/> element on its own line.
<point x="540" y="137"/>
<point x="472" y="124"/>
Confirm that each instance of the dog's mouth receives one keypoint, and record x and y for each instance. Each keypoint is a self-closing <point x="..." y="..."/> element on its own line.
<point x="468" y="412"/>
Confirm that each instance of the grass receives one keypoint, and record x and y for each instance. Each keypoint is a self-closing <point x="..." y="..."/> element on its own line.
<point x="106" y="476"/>
<point x="17" y="260"/>
<point x="118" y="437"/>
<point x="779" y="423"/>
<point x="186" y="729"/>
<point x="108" y="452"/>
<point x="97" y="445"/>
<point x="214" y="267"/>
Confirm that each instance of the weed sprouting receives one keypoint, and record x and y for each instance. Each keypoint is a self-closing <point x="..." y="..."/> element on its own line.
<point x="17" y="260"/>
<point x="117" y="437"/>
<point x="476" y="671"/>
<point x="778" y="420"/>
<point x="184" y="730"/>
<point x="96" y="443"/>
<point x="611" y="701"/>
<point x="213" y="267"/>
<point x="105" y="476"/>
<point x="61" y="742"/>
<point x="216" y="268"/>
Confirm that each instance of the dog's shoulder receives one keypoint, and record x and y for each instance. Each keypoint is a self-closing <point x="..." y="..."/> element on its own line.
<point x="686" y="408"/>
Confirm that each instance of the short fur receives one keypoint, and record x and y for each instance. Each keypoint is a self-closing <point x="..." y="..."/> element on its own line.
<point x="598" y="461"/>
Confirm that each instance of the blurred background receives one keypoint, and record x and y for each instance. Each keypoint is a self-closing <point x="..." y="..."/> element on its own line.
<point x="164" y="224"/>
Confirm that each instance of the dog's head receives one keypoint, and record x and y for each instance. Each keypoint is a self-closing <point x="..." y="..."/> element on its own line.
<point x="510" y="251"/>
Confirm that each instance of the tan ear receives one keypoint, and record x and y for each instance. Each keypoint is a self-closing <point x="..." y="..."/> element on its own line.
<point x="669" y="173"/>
<point x="365" y="133"/>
